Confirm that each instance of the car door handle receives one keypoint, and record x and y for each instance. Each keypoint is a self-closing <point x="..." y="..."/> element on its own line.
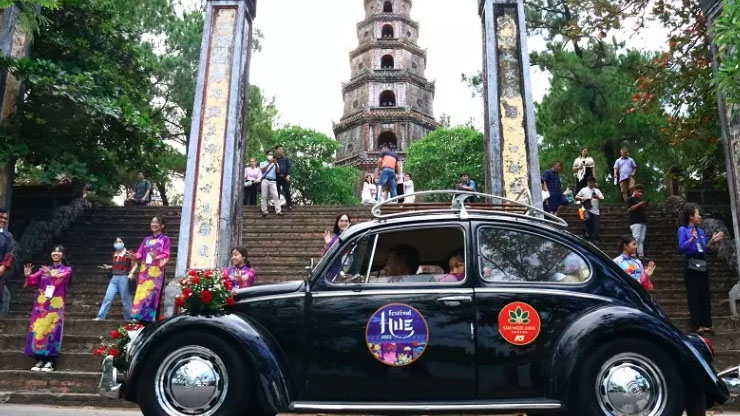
<point x="454" y="300"/>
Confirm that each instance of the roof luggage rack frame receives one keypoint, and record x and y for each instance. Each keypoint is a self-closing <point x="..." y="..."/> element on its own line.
<point x="498" y="205"/>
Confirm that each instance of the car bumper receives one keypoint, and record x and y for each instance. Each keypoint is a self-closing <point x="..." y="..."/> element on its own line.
<point x="731" y="378"/>
<point x="111" y="380"/>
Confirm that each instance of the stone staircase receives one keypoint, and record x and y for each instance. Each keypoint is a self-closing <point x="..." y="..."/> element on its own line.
<point x="279" y="249"/>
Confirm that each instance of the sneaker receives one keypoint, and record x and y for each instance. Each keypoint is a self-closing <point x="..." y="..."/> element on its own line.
<point x="279" y="213"/>
<point x="49" y="366"/>
<point x="38" y="366"/>
<point x="264" y="214"/>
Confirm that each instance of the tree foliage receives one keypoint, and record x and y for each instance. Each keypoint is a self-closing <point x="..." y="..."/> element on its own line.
<point x="314" y="179"/>
<point x="676" y="81"/>
<point x="86" y="111"/>
<point x="436" y="161"/>
<point x="727" y="39"/>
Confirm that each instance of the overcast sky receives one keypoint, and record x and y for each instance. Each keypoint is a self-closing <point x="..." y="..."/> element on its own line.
<point x="306" y="45"/>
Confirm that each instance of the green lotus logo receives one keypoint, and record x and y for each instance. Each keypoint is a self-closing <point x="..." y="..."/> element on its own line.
<point x="518" y="316"/>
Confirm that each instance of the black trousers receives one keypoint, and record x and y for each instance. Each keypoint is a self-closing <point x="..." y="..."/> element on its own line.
<point x="697" y="292"/>
<point x="250" y="194"/>
<point x="284" y="187"/>
<point x="593" y="226"/>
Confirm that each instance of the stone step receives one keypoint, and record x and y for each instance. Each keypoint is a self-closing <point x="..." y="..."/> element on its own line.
<point x="70" y="342"/>
<point x="84" y="400"/>
<point x="60" y="381"/>
<point x="72" y="326"/>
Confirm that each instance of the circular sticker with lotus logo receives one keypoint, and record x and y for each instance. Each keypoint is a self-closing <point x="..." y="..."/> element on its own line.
<point x="519" y="323"/>
<point x="397" y="334"/>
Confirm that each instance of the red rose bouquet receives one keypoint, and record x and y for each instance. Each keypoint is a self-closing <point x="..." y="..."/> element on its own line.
<point x="118" y="346"/>
<point x="205" y="291"/>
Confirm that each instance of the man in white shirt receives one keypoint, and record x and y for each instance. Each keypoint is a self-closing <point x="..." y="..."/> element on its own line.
<point x="590" y="197"/>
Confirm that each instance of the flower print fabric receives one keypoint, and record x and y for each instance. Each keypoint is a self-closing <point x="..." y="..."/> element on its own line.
<point x="632" y="266"/>
<point x="46" y="326"/>
<point x="240" y="277"/>
<point x="151" y="277"/>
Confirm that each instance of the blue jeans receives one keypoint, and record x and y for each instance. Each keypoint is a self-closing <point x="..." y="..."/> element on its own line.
<point x="118" y="286"/>
<point x="388" y="177"/>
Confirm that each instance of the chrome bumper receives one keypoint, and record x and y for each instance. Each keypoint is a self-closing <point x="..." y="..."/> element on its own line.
<point x="111" y="381"/>
<point x="731" y="377"/>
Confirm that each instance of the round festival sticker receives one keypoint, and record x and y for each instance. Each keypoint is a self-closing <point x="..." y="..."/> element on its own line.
<point x="519" y="323"/>
<point x="397" y="335"/>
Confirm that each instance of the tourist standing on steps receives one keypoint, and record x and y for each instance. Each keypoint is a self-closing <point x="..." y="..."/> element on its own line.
<point x="694" y="245"/>
<point x="252" y="178"/>
<point x="368" y="190"/>
<point x="44" y="338"/>
<point x="153" y="254"/>
<point x="142" y="192"/>
<point x="590" y="197"/>
<point x="466" y="184"/>
<point x="342" y="222"/>
<point x="408" y="188"/>
<point x="389" y="167"/>
<point x="625" y="170"/>
<point x="122" y="275"/>
<point x="638" y="218"/>
<point x="552" y="185"/>
<point x="7" y="245"/>
<point x="270" y="169"/>
<point x="283" y="176"/>
<point x="240" y="273"/>
<point x="584" y="168"/>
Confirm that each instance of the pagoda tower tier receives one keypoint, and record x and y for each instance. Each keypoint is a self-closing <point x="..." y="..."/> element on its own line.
<point x="388" y="99"/>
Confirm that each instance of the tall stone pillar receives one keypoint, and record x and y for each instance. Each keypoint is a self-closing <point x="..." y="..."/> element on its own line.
<point x="212" y="206"/>
<point x="13" y="42"/>
<point x="512" y="164"/>
<point x="730" y="125"/>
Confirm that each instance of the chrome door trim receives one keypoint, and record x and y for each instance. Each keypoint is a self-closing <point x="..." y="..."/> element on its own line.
<point x="540" y="291"/>
<point x="370" y="291"/>
<point x="426" y="407"/>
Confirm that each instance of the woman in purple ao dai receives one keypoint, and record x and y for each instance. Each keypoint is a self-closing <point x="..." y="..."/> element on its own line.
<point x="45" y="329"/>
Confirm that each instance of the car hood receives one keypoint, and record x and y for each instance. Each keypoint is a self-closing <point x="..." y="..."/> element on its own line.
<point x="269" y="290"/>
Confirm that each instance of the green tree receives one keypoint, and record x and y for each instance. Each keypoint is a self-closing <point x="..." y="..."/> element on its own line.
<point x="86" y="112"/>
<point x="314" y="179"/>
<point x="727" y="39"/>
<point x="436" y="161"/>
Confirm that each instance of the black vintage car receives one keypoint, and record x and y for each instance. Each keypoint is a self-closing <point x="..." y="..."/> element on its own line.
<point x="463" y="310"/>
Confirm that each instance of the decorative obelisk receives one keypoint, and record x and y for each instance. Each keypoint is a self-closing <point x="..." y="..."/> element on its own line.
<point x="730" y="125"/>
<point x="212" y="210"/>
<point x="512" y="164"/>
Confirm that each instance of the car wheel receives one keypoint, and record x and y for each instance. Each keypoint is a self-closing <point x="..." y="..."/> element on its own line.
<point x="194" y="375"/>
<point x="628" y="377"/>
<point x="696" y="403"/>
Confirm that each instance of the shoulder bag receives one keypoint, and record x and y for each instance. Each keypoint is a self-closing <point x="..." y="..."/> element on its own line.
<point x="697" y="265"/>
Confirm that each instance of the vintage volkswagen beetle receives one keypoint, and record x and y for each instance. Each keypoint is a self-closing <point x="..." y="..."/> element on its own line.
<point x="538" y="321"/>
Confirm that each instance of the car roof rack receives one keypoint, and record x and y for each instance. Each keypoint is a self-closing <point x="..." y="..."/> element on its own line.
<point x="494" y="205"/>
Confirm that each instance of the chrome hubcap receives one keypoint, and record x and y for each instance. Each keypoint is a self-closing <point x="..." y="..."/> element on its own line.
<point x="191" y="381"/>
<point x="630" y="384"/>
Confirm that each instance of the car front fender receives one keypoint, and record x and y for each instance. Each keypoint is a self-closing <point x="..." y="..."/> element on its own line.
<point x="272" y="374"/>
<point x="604" y="324"/>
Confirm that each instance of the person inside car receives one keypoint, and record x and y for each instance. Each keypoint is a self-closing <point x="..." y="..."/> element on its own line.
<point x="456" y="268"/>
<point x="403" y="260"/>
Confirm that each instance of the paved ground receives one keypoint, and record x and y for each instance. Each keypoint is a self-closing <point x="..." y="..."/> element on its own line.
<point x="26" y="410"/>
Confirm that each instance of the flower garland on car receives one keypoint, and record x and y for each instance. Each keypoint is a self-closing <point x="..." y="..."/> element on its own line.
<point x="118" y="347"/>
<point x="205" y="291"/>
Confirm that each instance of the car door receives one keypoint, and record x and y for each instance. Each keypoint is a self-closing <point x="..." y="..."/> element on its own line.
<point x="532" y="286"/>
<point x="391" y="339"/>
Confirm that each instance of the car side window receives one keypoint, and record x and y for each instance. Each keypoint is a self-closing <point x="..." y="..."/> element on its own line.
<point x="516" y="256"/>
<point x="431" y="255"/>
